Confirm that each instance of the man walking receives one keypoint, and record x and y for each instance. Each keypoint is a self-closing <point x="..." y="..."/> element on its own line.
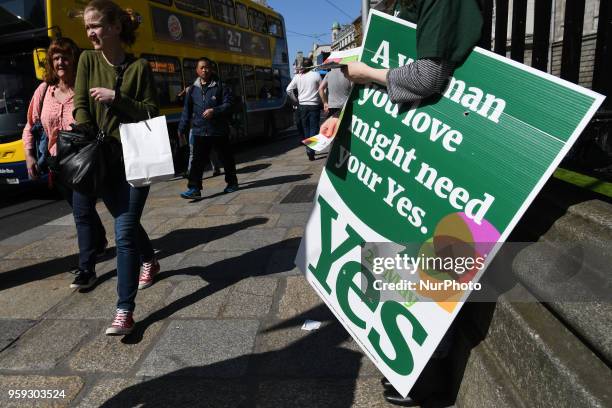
<point x="207" y="108"/>
<point x="309" y="104"/>
<point x="338" y="89"/>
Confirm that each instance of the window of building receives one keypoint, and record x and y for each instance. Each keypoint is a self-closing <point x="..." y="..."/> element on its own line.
<point x="258" y="21"/>
<point x="200" y="7"/>
<point x="250" y="86"/>
<point x="223" y="10"/>
<point x="167" y="77"/>
<point x="242" y="15"/>
<point x="275" y="27"/>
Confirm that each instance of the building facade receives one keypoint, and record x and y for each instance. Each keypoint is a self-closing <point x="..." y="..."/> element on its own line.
<point x="344" y="37"/>
<point x="319" y="53"/>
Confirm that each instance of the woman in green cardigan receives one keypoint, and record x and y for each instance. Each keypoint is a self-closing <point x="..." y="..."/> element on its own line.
<point x="112" y="88"/>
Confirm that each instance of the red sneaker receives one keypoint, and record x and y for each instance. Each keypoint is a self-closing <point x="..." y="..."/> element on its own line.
<point x="122" y="324"/>
<point x="147" y="274"/>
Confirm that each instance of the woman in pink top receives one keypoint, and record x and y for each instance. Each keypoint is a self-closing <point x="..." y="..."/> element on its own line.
<point x="56" y="94"/>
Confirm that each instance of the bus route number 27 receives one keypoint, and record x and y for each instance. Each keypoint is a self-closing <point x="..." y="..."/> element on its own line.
<point x="234" y="38"/>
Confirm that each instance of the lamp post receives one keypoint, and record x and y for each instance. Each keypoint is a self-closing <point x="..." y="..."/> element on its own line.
<point x="365" y="9"/>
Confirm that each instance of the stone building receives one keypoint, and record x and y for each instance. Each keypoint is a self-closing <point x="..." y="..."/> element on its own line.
<point x="589" y="36"/>
<point x="350" y="35"/>
<point x="319" y="53"/>
<point x="343" y="37"/>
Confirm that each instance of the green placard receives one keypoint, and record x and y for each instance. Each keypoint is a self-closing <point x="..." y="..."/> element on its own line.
<point x="464" y="165"/>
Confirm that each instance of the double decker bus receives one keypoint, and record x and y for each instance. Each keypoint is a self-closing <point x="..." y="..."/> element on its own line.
<point x="245" y="39"/>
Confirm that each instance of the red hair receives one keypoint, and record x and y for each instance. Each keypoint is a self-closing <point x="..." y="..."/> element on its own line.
<point x="64" y="46"/>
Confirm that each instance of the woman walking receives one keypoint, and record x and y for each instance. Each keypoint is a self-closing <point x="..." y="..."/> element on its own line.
<point x="51" y="111"/>
<point x="112" y="88"/>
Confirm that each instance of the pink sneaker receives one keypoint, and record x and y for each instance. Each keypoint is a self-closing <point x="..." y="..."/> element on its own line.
<point x="147" y="273"/>
<point x="122" y="324"/>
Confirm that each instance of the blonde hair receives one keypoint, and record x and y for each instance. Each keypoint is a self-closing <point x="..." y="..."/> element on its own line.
<point x="112" y="14"/>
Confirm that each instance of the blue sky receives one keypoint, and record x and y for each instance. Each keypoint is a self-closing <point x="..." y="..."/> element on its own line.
<point x="313" y="17"/>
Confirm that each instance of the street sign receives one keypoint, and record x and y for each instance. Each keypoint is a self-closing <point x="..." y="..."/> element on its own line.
<point x="462" y="167"/>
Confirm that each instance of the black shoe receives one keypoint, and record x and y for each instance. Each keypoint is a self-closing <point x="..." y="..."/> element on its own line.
<point x="395" y="398"/>
<point x="102" y="250"/>
<point x="386" y="383"/>
<point x="84" y="280"/>
<point x="311" y="157"/>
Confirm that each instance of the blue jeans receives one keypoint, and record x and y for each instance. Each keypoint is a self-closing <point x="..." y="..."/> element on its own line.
<point x="310" y="116"/>
<point x="126" y="203"/>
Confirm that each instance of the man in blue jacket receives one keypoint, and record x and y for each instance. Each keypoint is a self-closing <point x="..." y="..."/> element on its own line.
<point x="207" y="110"/>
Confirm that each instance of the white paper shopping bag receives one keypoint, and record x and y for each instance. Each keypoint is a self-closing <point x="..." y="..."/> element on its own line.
<point x="146" y="151"/>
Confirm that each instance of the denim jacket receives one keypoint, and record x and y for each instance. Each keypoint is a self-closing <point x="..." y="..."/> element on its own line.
<point x="216" y="96"/>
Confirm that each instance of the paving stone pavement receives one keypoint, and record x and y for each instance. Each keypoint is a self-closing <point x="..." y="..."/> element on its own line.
<point x="221" y="327"/>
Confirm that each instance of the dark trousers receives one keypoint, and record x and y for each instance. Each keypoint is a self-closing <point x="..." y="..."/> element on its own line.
<point x="297" y="118"/>
<point x="215" y="162"/>
<point x="91" y="234"/>
<point x="310" y="116"/>
<point x="201" y="155"/>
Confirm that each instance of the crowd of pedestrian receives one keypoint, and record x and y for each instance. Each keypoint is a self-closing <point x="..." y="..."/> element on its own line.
<point x="96" y="90"/>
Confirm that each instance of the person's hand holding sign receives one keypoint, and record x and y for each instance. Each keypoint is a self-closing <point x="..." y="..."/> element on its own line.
<point x="329" y="127"/>
<point x="361" y="73"/>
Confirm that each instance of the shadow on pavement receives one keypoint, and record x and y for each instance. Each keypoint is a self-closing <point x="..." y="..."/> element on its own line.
<point x="272" y="181"/>
<point x="175" y="242"/>
<point x="252" y="168"/>
<point x="317" y="370"/>
<point x="219" y="275"/>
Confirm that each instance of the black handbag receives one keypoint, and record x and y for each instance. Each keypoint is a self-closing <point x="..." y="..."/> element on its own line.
<point x="83" y="161"/>
<point x="87" y="160"/>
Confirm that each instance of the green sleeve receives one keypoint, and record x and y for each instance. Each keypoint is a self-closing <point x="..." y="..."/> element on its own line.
<point x="81" y="112"/>
<point x="448" y="29"/>
<point x="140" y="110"/>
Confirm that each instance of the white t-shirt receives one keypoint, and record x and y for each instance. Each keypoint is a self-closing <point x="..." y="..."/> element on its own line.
<point x="307" y="86"/>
